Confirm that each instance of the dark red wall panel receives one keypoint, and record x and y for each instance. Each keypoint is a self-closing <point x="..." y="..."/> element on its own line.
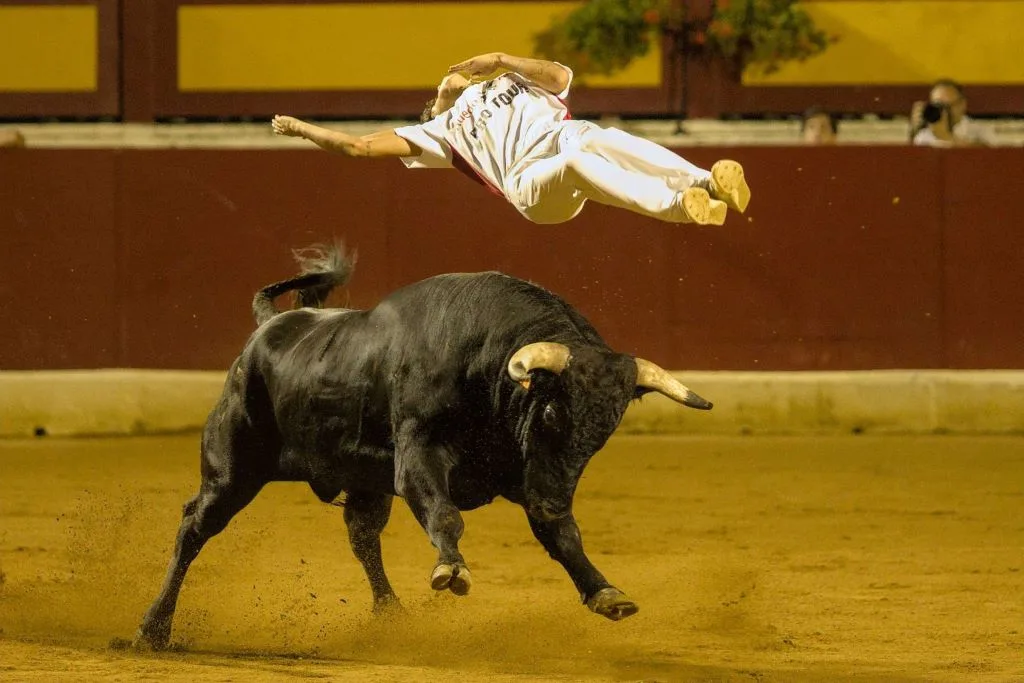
<point x="836" y="265"/>
<point x="983" y="243"/>
<point x="849" y="258"/>
<point x="204" y="229"/>
<point x="59" y="271"/>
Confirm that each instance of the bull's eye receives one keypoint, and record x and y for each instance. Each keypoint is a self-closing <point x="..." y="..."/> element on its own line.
<point x="550" y="415"/>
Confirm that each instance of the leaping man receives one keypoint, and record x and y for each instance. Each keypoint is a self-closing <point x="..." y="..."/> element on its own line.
<point x="503" y="121"/>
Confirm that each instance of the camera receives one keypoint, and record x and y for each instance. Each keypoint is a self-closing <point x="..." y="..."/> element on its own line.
<point x="933" y="112"/>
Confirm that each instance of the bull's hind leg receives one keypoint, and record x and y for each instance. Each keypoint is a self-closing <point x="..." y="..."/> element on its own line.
<point x="561" y="538"/>
<point x="421" y="478"/>
<point x="203" y="517"/>
<point x="366" y="515"/>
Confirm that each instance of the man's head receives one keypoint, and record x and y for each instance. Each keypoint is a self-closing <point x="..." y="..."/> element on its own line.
<point x="448" y="90"/>
<point x="428" y="110"/>
<point x="950" y="94"/>
<point x="818" y="127"/>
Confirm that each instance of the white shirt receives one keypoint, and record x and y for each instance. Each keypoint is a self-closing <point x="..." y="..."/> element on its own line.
<point x="492" y="127"/>
<point x="965" y="129"/>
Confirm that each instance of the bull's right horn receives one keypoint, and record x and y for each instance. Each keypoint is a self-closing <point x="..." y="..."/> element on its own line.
<point x="651" y="376"/>
<point x="551" y="356"/>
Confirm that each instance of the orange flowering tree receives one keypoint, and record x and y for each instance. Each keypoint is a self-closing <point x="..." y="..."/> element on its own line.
<point x="604" y="36"/>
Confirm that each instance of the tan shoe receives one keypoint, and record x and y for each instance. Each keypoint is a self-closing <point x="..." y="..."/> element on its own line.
<point x="729" y="185"/>
<point x="717" y="212"/>
<point x="700" y="208"/>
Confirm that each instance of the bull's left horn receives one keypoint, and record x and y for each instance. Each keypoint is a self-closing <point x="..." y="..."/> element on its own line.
<point x="551" y="356"/>
<point x="650" y="376"/>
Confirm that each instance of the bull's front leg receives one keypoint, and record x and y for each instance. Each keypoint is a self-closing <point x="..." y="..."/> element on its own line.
<point x="561" y="538"/>
<point x="421" y="478"/>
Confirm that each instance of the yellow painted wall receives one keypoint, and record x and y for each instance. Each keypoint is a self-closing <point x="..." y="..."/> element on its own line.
<point x="912" y="41"/>
<point x="48" y="48"/>
<point x="360" y="46"/>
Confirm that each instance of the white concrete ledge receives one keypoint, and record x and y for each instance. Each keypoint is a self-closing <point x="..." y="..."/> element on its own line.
<point x="105" y="402"/>
<point x="258" y="135"/>
<point x="133" y="402"/>
<point x="877" y="401"/>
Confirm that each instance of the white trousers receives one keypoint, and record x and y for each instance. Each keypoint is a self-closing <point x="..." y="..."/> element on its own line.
<point x="608" y="166"/>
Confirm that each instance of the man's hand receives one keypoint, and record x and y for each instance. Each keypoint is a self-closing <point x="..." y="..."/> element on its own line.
<point x="917" y="114"/>
<point x="287" y="125"/>
<point x="941" y="128"/>
<point x="479" y="66"/>
<point x="385" y="143"/>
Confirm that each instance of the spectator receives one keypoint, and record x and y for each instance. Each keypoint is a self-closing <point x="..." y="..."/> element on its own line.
<point x="818" y="127"/>
<point x="11" y="138"/>
<point x="943" y="120"/>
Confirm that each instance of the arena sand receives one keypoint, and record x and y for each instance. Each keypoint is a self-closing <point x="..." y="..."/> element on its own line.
<point x="752" y="559"/>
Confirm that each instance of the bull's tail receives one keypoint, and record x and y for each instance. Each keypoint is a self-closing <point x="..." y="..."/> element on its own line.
<point x="322" y="268"/>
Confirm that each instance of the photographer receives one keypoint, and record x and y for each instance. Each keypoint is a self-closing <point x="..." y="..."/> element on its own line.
<point x="943" y="120"/>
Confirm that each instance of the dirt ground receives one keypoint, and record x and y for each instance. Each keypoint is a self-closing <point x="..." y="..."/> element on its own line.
<point x="752" y="559"/>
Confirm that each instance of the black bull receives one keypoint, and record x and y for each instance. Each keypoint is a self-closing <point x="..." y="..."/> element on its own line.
<point x="451" y="392"/>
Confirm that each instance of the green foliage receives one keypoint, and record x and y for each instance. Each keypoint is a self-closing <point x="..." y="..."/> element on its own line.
<point x="765" y="34"/>
<point x="601" y="36"/>
<point x="605" y="36"/>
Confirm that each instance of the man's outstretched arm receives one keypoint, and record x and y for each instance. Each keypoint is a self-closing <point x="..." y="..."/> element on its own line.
<point x="385" y="143"/>
<point x="548" y="75"/>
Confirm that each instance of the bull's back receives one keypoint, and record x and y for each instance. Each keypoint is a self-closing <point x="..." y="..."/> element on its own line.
<point x="471" y="307"/>
<point x="322" y="373"/>
<point x="435" y="350"/>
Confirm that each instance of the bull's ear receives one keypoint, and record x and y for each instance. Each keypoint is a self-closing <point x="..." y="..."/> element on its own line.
<point x="640" y="392"/>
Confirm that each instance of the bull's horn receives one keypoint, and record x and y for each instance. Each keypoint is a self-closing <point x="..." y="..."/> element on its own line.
<point x="650" y="376"/>
<point x="548" y="355"/>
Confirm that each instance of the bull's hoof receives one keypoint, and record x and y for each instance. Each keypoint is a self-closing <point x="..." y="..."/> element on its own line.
<point x="454" y="577"/>
<point x="152" y="639"/>
<point x="120" y="644"/>
<point x="144" y="643"/>
<point x="388" y="606"/>
<point x="612" y="603"/>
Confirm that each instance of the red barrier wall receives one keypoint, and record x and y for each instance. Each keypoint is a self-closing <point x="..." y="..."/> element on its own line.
<point x="851" y="258"/>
